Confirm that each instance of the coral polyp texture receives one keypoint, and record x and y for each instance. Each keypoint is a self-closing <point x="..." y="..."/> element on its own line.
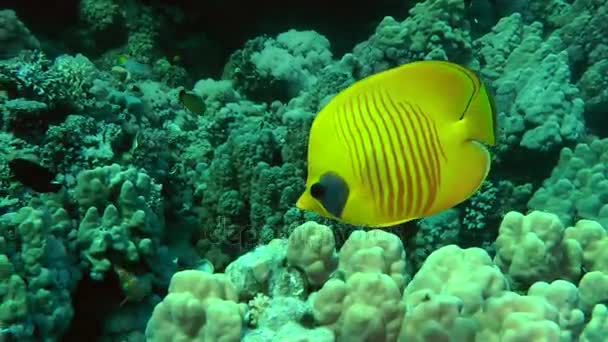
<point x="152" y="155"/>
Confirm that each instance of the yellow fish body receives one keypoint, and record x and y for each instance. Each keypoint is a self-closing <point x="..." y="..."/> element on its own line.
<point x="402" y="144"/>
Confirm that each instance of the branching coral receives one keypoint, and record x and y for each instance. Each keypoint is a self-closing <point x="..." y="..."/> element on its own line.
<point x="129" y="231"/>
<point x="36" y="248"/>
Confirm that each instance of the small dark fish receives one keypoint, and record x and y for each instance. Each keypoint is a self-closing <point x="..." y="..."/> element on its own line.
<point x="192" y="102"/>
<point x="34" y="176"/>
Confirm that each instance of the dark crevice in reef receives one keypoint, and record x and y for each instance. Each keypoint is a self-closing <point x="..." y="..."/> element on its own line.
<point x="596" y="118"/>
<point x="523" y="165"/>
<point x="93" y="301"/>
<point x="211" y="30"/>
<point x="49" y="21"/>
<point x="43" y="16"/>
<point x="32" y="126"/>
<point x="231" y="23"/>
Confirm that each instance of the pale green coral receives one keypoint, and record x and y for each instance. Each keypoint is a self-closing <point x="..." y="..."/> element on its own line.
<point x="128" y="231"/>
<point x="36" y="249"/>
<point x="13" y="292"/>
<point x="578" y="186"/>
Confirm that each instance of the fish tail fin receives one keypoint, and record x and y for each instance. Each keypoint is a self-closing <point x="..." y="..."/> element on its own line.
<point x="474" y="130"/>
<point x="479" y="121"/>
<point x="480" y="117"/>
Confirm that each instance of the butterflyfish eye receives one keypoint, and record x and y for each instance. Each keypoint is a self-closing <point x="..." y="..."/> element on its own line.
<point x="317" y="190"/>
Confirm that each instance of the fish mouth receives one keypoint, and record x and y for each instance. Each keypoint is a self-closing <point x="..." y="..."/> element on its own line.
<point x="300" y="203"/>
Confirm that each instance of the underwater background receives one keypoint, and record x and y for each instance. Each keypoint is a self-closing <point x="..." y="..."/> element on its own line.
<point x="151" y="155"/>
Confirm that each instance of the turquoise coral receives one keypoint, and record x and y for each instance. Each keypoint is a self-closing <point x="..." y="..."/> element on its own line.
<point x="37" y="250"/>
<point x="127" y="233"/>
<point x="526" y="67"/>
<point x="577" y="187"/>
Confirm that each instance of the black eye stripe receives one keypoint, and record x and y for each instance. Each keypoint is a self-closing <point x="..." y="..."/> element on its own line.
<point x="317" y="190"/>
<point x="331" y="192"/>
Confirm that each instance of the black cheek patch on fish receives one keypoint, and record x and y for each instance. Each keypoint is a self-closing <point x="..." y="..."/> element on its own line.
<point x="317" y="191"/>
<point x="332" y="192"/>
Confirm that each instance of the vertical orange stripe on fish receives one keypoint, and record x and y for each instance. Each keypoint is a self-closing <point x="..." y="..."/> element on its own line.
<point x="430" y="175"/>
<point x="434" y="156"/>
<point x="386" y="136"/>
<point x="382" y="174"/>
<point x="364" y="130"/>
<point x="402" y="167"/>
<point x="354" y="132"/>
<point x="413" y="175"/>
<point x="437" y="142"/>
<point x="411" y="172"/>
<point x="341" y="128"/>
<point x="418" y="158"/>
<point x="437" y="149"/>
<point x="426" y="175"/>
<point x="389" y="154"/>
<point x="376" y="149"/>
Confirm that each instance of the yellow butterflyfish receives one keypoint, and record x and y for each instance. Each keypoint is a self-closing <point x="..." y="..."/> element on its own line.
<point x="399" y="145"/>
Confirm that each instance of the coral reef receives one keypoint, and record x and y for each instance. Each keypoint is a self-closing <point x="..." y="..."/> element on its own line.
<point x="459" y="294"/>
<point x="182" y="224"/>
